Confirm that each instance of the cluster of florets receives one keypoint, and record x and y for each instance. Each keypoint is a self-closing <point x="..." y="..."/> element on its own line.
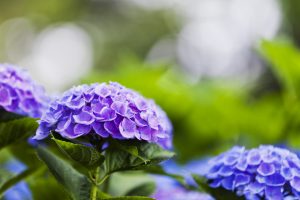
<point x="19" y="93"/>
<point x="180" y="194"/>
<point x="107" y="110"/>
<point x="167" y="189"/>
<point x="266" y="172"/>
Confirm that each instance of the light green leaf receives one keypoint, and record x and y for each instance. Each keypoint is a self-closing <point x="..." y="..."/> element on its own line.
<point x="7" y="179"/>
<point x="87" y="156"/>
<point x="76" y="184"/>
<point x="285" y="62"/>
<point x="16" y="130"/>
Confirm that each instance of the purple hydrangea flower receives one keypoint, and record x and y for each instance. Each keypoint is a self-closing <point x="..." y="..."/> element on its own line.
<point x="106" y="110"/>
<point x="19" y="93"/>
<point x="169" y="189"/>
<point x="266" y="172"/>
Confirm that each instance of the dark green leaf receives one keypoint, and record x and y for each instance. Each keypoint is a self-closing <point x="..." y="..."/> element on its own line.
<point x="16" y="130"/>
<point x="24" y="152"/>
<point x="116" y="159"/>
<point x="217" y="193"/>
<point x="76" y="184"/>
<point x="87" y="156"/>
<point x="8" y="116"/>
<point x="145" y="189"/>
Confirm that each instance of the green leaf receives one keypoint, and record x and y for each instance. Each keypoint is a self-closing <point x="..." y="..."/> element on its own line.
<point x="5" y="176"/>
<point x="24" y="152"/>
<point x="128" y="198"/>
<point x="7" y="179"/>
<point x="8" y="116"/>
<point x="76" y="184"/>
<point x="87" y="156"/>
<point x="43" y="186"/>
<point x="16" y="130"/>
<point x="217" y="193"/>
<point x="285" y="60"/>
<point x="145" y="189"/>
<point x="116" y="159"/>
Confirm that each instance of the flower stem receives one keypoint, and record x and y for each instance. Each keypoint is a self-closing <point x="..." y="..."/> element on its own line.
<point x="94" y="189"/>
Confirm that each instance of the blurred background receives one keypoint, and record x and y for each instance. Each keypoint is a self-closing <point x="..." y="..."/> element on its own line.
<point x="226" y="72"/>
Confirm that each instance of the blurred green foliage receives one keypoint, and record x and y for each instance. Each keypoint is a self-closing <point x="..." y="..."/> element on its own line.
<point x="208" y="116"/>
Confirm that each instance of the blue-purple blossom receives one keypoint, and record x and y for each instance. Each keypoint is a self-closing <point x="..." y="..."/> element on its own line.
<point x="19" y="93"/>
<point x="106" y="110"/>
<point x="167" y="189"/>
<point x="266" y="172"/>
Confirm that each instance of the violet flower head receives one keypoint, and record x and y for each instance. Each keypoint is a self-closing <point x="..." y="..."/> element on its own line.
<point x="167" y="189"/>
<point x="106" y="110"/>
<point x="19" y="93"/>
<point x="266" y="172"/>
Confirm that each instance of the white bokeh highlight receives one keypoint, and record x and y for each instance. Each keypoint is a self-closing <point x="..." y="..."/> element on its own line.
<point x="61" y="55"/>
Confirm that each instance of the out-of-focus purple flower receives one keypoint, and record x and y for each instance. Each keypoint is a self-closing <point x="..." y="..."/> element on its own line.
<point x="169" y="189"/>
<point x="21" y="190"/>
<point x="266" y="172"/>
<point x="19" y="93"/>
<point x="106" y="110"/>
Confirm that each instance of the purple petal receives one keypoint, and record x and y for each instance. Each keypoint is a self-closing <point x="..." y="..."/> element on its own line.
<point x="275" y="180"/>
<point x="139" y="121"/>
<point x="254" y="157"/>
<point x="127" y="128"/>
<point x="226" y="171"/>
<point x="107" y="114"/>
<point x="112" y="129"/>
<point x="256" y="187"/>
<point x="5" y="99"/>
<point x="141" y="104"/>
<point x="75" y="104"/>
<point x="266" y="169"/>
<point x="63" y="124"/>
<point x="228" y="182"/>
<point x="295" y="183"/>
<point x="81" y="129"/>
<point x="100" y="130"/>
<point x="146" y="133"/>
<point x="102" y="91"/>
<point x="119" y="107"/>
<point x="273" y="193"/>
<point x="83" y="118"/>
<point x="241" y="179"/>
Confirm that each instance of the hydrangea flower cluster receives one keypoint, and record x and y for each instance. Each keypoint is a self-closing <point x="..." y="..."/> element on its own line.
<point x="19" y="93"/>
<point x="107" y="110"/>
<point x="180" y="194"/>
<point x="167" y="189"/>
<point x="266" y="172"/>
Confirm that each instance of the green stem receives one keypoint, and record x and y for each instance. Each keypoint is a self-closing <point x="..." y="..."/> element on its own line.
<point x="106" y="185"/>
<point x="94" y="189"/>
